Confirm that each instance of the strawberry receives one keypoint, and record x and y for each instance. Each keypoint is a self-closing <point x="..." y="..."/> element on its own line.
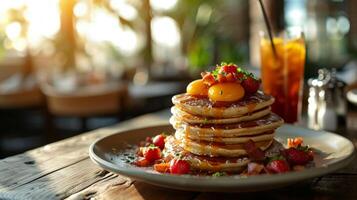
<point x="162" y="167"/>
<point x="231" y="77"/>
<point x="226" y="69"/>
<point x="152" y="153"/>
<point x="208" y="79"/>
<point x="141" y="162"/>
<point x="221" y="78"/>
<point x="278" y="166"/>
<point x="179" y="166"/>
<point x="250" y="85"/>
<point x="240" y="76"/>
<point x="159" y="141"/>
<point x="296" y="157"/>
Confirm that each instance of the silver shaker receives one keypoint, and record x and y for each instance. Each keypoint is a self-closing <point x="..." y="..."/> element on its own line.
<point x="326" y="102"/>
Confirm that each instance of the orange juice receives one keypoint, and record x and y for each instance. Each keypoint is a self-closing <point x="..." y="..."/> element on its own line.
<point x="282" y="75"/>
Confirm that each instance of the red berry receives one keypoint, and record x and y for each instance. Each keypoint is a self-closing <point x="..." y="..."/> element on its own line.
<point x="231" y="77"/>
<point x="278" y="166"/>
<point x="296" y="157"/>
<point x="159" y="141"/>
<point x="152" y="153"/>
<point x="178" y="166"/>
<point x="148" y="140"/>
<point x="221" y="78"/>
<point x="141" y="162"/>
<point x="239" y="75"/>
<point x="250" y="85"/>
<point x="228" y="69"/>
<point x="208" y="79"/>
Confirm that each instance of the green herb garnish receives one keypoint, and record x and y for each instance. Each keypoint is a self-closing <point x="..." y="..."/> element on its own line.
<point x="217" y="174"/>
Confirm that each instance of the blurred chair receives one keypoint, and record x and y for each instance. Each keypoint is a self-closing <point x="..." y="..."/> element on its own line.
<point x="20" y="97"/>
<point x="88" y="101"/>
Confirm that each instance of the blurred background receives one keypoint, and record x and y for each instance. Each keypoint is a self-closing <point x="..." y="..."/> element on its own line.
<point x="69" y="66"/>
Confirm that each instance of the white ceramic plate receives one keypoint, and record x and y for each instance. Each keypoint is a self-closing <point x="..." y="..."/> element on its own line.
<point x="335" y="152"/>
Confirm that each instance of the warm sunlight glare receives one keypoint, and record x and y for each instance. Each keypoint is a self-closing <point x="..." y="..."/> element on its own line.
<point x="13" y="30"/>
<point x="44" y="20"/>
<point x="124" y="9"/>
<point x="165" y="31"/>
<point x="163" y="4"/>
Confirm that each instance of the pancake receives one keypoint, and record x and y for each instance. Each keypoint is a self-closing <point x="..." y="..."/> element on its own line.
<point x="226" y="140"/>
<point x="205" y="163"/>
<point x="194" y="119"/>
<point x="204" y="107"/>
<point x="254" y="127"/>
<point x="217" y="149"/>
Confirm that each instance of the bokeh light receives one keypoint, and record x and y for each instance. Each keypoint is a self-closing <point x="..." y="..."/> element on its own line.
<point x="165" y="31"/>
<point x="163" y="4"/>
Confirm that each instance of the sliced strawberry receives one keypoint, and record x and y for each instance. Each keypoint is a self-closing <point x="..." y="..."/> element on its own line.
<point x="162" y="167"/>
<point x="231" y="77"/>
<point x="278" y="166"/>
<point x="296" y="157"/>
<point x="178" y="166"/>
<point x="221" y="78"/>
<point x="208" y="79"/>
<point x="254" y="153"/>
<point x="141" y="162"/>
<point x="250" y="85"/>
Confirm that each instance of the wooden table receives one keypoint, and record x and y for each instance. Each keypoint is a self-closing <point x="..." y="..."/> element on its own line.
<point x="63" y="170"/>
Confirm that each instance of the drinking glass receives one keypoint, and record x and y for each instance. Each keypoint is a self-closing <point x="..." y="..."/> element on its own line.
<point x="283" y="72"/>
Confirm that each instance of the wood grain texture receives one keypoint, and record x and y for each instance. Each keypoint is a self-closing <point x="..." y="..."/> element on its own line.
<point x="63" y="170"/>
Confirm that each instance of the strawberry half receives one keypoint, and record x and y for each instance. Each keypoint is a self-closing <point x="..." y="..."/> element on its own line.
<point x="278" y="166"/>
<point x="297" y="157"/>
<point x="250" y="85"/>
<point x="228" y="69"/>
<point x="208" y="78"/>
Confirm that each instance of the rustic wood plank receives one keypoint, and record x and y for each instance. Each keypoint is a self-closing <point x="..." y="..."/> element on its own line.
<point x="58" y="184"/>
<point x="140" y="190"/>
<point x="75" y="183"/>
<point x="37" y="165"/>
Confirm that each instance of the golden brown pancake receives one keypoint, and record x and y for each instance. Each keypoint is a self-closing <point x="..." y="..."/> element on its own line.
<point x="217" y="149"/>
<point x="248" y="128"/>
<point x="205" y="163"/>
<point x="202" y="106"/>
<point x="194" y="119"/>
<point x="228" y="140"/>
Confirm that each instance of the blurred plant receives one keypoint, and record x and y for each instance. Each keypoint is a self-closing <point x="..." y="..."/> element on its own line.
<point x="213" y="31"/>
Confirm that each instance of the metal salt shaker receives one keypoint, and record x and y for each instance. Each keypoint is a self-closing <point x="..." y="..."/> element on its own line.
<point x="326" y="103"/>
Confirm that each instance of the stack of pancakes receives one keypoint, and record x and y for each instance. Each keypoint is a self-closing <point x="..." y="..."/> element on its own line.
<point x="211" y="136"/>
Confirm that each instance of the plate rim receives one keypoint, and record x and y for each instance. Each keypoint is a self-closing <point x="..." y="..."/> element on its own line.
<point x="225" y="181"/>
